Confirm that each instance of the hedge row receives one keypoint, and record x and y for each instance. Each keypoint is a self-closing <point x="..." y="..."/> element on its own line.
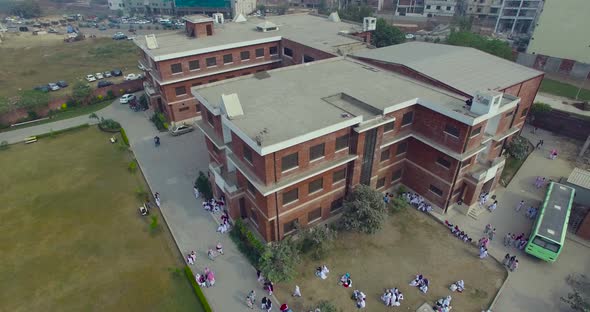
<point x="124" y="137"/>
<point x="52" y="133"/>
<point x="247" y="242"/>
<point x="191" y="278"/>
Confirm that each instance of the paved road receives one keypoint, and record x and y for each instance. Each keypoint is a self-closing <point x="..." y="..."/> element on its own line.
<point x="537" y="285"/>
<point x="171" y="170"/>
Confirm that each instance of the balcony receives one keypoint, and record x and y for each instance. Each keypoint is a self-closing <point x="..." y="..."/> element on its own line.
<point x="226" y="181"/>
<point x="484" y="172"/>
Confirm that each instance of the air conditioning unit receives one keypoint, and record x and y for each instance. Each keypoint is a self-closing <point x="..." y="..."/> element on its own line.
<point x="485" y="102"/>
<point x="218" y="18"/>
<point x="369" y="23"/>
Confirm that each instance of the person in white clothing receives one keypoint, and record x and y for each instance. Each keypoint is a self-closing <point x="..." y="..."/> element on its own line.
<point x="297" y="292"/>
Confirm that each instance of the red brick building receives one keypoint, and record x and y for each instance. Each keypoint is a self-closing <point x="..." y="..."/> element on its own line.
<point x="206" y="52"/>
<point x="287" y="145"/>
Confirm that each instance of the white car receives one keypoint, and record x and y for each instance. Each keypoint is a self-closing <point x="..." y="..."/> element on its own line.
<point x="53" y="86"/>
<point x="409" y="36"/>
<point x="133" y="77"/>
<point x="107" y="74"/>
<point x="126" y="98"/>
<point x="99" y="76"/>
<point x="141" y="67"/>
<point x="90" y="78"/>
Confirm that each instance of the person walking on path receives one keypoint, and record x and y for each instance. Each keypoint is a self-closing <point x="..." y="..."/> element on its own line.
<point x="506" y="260"/>
<point x="492" y="233"/>
<point x="483" y="252"/>
<point x="513" y="266"/>
<point x="507" y="239"/>
<point x="539" y="144"/>
<point x="520" y="205"/>
<point x="487" y="229"/>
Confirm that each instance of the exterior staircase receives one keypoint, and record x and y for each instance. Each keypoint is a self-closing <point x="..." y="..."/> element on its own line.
<point x="475" y="210"/>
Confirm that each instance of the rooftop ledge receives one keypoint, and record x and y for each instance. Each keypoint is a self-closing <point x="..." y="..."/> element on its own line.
<point x="210" y="133"/>
<point x="266" y="190"/>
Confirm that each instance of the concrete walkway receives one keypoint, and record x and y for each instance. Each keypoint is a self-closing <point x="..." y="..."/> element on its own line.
<point x="561" y="103"/>
<point x="536" y="285"/>
<point x="171" y="170"/>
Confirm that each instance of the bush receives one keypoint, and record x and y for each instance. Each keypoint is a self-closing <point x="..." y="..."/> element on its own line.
<point x="4" y="145"/>
<point x="154" y="223"/>
<point x="401" y="189"/>
<point x="159" y="121"/>
<point x="99" y="97"/>
<point x="364" y="211"/>
<point x="317" y="241"/>
<point x="540" y="108"/>
<point x="203" y="184"/>
<point x="124" y="137"/>
<point x="148" y="27"/>
<point x="109" y="124"/>
<point x="247" y="242"/>
<point x="325" y="306"/>
<point x="518" y="148"/>
<point x="278" y="260"/>
<point x="191" y="278"/>
<point x="32" y="115"/>
<point x="64" y="106"/>
<point x="141" y="194"/>
<point x="110" y="95"/>
<point x="396" y="205"/>
<point x="70" y="102"/>
<point x="132" y="167"/>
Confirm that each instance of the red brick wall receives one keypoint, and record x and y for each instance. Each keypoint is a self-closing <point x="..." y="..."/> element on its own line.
<point x="475" y="141"/>
<point x="262" y="166"/>
<point x="432" y="125"/>
<point x="527" y="90"/>
<point x="199" y="29"/>
<point x="299" y="50"/>
<point x="426" y="157"/>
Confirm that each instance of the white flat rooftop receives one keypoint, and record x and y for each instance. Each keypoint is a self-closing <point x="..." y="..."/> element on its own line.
<point x="313" y="31"/>
<point x="294" y="101"/>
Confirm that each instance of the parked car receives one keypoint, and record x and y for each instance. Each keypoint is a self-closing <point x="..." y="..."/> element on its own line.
<point x="116" y="72"/>
<point x="43" y="88"/>
<point x="181" y="129"/>
<point x="99" y="76"/>
<point x="104" y="83"/>
<point x="90" y="78"/>
<point x="133" y="77"/>
<point x="141" y="67"/>
<point x="53" y="86"/>
<point x="107" y="74"/>
<point x="126" y="98"/>
<point x="102" y="27"/>
<point x="410" y="36"/>
<point x="62" y="83"/>
<point x="119" y="36"/>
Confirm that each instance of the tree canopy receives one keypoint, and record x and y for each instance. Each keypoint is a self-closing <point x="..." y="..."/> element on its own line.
<point x="278" y="260"/>
<point x="31" y="99"/>
<point x="364" y="211"/>
<point x="26" y="9"/>
<point x="81" y="91"/>
<point x="493" y="46"/>
<point x="355" y="13"/>
<point x="386" y="35"/>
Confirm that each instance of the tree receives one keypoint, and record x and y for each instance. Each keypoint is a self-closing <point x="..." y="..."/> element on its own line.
<point x="26" y="9"/>
<point x="355" y="13"/>
<point x="493" y="46"/>
<point x="540" y="108"/>
<point x="364" y="211"/>
<point x="120" y="13"/>
<point x="31" y="99"/>
<point x="518" y="147"/>
<point x="278" y="260"/>
<point x="81" y="91"/>
<point x="317" y="241"/>
<point x="204" y="186"/>
<point x="323" y="7"/>
<point x="386" y="35"/>
<point x="579" y="298"/>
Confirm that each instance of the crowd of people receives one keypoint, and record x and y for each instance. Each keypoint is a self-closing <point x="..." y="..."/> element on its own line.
<point x="392" y="297"/>
<point x="322" y="272"/>
<point x="458" y="286"/>
<point x="517" y="241"/>
<point x="207" y="279"/>
<point x="510" y="262"/>
<point x="421" y="283"/>
<point x="360" y="298"/>
<point x="455" y="230"/>
<point x="214" y="205"/>
<point x="443" y="304"/>
<point x="417" y="201"/>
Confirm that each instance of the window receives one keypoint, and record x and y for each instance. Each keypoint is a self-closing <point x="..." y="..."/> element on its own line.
<point x="314" y="215"/>
<point x="316" y="185"/>
<point x="342" y="142"/>
<point x="251" y="188"/>
<point x="380" y="183"/>
<point x="307" y="58"/>
<point x="228" y="58"/>
<point x="388" y="127"/>
<point x="211" y="61"/>
<point x="273" y="50"/>
<point x="475" y="131"/>
<point x="290" y="196"/>
<point x="247" y="153"/>
<point x="448" y="8"/>
<point x="396" y="175"/>
<point x="443" y="162"/>
<point x="438" y="7"/>
<point x="385" y="155"/>
<point x="193" y="65"/>
<point x="452" y="130"/>
<point x="401" y="148"/>
<point x="260" y="52"/>
<point x="524" y="111"/>
<point x="182" y="109"/>
<point x="478" y="10"/>
<point x="288" y="52"/>
<point x="339" y="175"/>
<point x="436" y="190"/>
<point x="290" y="226"/>
<point x="316" y="152"/>
<point x="176" y="68"/>
<point x="290" y="162"/>
<point x="428" y="7"/>
<point x="180" y="90"/>
<point x="198" y="108"/>
<point x="245" y="55"/>
<point x="336" y="204"/>
<point x="408" y="118"/>
<point x="546" y="244"/>
<point x="210" y="118"/>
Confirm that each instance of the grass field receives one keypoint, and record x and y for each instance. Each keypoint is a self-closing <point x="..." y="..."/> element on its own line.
<point x="28" y="60"/>
<point x="409" y="243"/>
<point x="563" y="89"/>
<point x="72" y="239"/>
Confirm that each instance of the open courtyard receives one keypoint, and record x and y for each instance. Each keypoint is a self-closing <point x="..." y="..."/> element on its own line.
<point x="72" y="239"/>
<point x="409" y="243"/>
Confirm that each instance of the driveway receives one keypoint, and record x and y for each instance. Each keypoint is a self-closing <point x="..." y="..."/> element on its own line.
<point x="536" y="285"/>
<point x="171" y="170"/>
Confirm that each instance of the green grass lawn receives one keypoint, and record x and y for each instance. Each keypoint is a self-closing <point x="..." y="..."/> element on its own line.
<point x="72" y="239"/>
<point x="563" y="89"/>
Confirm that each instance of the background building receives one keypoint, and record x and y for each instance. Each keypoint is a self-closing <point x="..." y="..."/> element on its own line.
<point x="506" y="16"/>
<point x="562" y="31"/>
<point x="427" y="8"/>
<point x="149" y="7"/>
<point x="230" y="8"/>
<point x="116" y="5"/>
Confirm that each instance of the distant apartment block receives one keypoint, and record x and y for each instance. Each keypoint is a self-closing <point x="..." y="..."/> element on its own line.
<point x="230" y="8"/>
<point x="116" y="5"/>
<point x="156" y="7"/>
<point x="426" y="7"/>
<point x="287" y="145"/>
<point x="207" y="52"/>
<point x="507" y="16"/>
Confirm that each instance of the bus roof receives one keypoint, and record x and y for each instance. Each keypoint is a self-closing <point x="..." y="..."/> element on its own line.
<point x="557" y="205"/>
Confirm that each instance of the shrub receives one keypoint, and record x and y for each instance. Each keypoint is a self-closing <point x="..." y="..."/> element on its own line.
<point x="154" y="223"/>
<point x="317" y="241"/>
<point x="191" y="278"/>
<point x="109" y="124"/>
<point x="278" y="260"/>
<point x="364" y="211"/>
<point x="396" y="205"/>
<point x="93" y="116"/>
<point x="121" y="91"/>
<point x="159" y="121"/>
<point x="132" y="167"/>
<point x="401" y="189"/>
<point x="247" y="242"/>
<point x="32" y="115"/>
<point x="110" y="95"/>
<point x="518" y="148"/>
<point x="148" y="27"/>
<point x="141" y="194"/>
<point x="540" y="108"/>
<point x="4" y="145"/>
<point x="203" y="184"/>
<point x="325" y="306"/>
<point x="124" y="137"/>
<point x="64" y="106"/>
<point x="70" y="102"/>
<point x="99" y="97"/>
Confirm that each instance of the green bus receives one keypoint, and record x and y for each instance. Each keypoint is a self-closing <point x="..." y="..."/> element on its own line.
<point x="548" y="236"/>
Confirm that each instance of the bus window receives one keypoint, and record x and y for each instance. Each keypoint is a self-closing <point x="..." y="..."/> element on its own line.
<point x="543" y="243"/>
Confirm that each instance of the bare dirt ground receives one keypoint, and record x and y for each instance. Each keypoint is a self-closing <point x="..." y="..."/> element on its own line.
<point x="409" y="243"/>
